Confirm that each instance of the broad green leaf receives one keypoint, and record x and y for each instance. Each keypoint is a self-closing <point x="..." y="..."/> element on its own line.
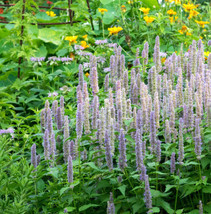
<point x="63" y="190"/>
<point x="92" y="165"/>
<point x="129" y="138"/>
<point x="85" y="207"/>
<point x="156" y="210"/>
<point x="122" y="189"/>
<point x="151" y="3"/>
<point x="42" y="52"/>
<point x="40" y="185"/>
<point x="49" y="35"/>
<point x="179" y="211"/>
<point x="106" y="1"/>
<point x="168" y="187"/>
<point x="165" y="205"/>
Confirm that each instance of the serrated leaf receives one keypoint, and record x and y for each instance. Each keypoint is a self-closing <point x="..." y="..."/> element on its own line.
<point x="129" y="138"/>
<point x="122" y="189"/>
<point x="49" y="35"/>
<point x="85" y="207"/>
<point x="92" y="165"/>
<point x="63" y="190"/>
<point x="156" y="210"/>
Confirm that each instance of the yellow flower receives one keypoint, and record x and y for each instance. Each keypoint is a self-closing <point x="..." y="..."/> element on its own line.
<point x="102" y="10"/>
<point x="193" y="13"/>
<point x="71" y="39"/>
<point x="171" y="18"/>
<point x="183" y="29"/>
<point x="176" y="1"/>
<point x="85" y="36"/>
<point x="201" y="23"/>
<point x="123" y="8"/>
<point x="50" y="13"/>
<point x="188" y="7"/>
<point x="114" y="30"/>
<point x="87" y="74"/>
<point x="130" y="2"/>
<point x="188" y="34"/>
<point x="163" y="59"/>
<point x="171" y="12"/>
<point x="72" y="55"/>
<point x="149" y="19"/>
<point x="84" y="44"/>
<point x="144" y="10"/>
<point x="176" y="17"/>
<point x="206" y="54"/>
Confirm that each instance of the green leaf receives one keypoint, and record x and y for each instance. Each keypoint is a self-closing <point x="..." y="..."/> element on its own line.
<point x="179" y="211"/>
<point x="49" y="35"/>
<point x="92" y="165"/>
<point x="70" y="209"/>
<point x="63" y="190"/>
<point x="156" y="210"/>
<point x="40" y="185"/>
<point x="151" y="3"/>
<point x="156" y="193"/>
<point x="168" y="187"/>
<point x="122" y="189"/>
<point x="85" y="207"/>
<point x="129" y="138"/>
<point x="106" y="1"/>
<point x="136" y="207"/>
<point x="207" y="189"/>
<point x="42" y="52"/>
<point x="165" y="205"/>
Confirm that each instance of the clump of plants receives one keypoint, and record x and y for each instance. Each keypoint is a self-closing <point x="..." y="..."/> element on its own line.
<point x="139" y="141"/>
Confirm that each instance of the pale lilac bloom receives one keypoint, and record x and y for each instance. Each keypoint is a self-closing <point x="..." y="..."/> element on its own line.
<point x="10" y="130"/>
<point x="162" y="54"/>
<point x="83" y="53"/>
<point x="65" y="88"/>
<point x="112" y="45"/>
<point x="53" y="94"/>
<point x="107" y="69"/>
<point x="86" y="65"/>
<point x="101" y="42"/>
<point x="78" y="47"/>
<point x="101" y="59"/>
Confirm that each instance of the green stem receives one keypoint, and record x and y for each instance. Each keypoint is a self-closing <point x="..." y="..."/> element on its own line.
<point x="103" y="27"/>
<point x="126" y="174"/>
<point x="175" y="204"/>
<point x="156" y="176"/>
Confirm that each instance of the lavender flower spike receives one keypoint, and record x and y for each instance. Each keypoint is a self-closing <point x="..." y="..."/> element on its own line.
<point x="111" y="207"/>
<point x="200" y="207"/>
<point x="65" y="141"/>
<point x="173" y="162"/>
<point x="70" y="170"/>
<point x="197" y="139"/>
<point x="147" y="194"/>
<point x="79" y="121"/>
<point x="108" y="152"/>
<point x="122" y="150"/>
<point x="46" y="144"/>
<point x="33" y="155"/>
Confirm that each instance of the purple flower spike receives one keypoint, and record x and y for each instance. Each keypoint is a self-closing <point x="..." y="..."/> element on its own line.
<point x="33" y="155"/>
<point x="147" y="194"/>
<point x="110" y="206"/>
<point x="46" y="144"/>
<point x="200" y="207"/>
<point x="70" y="170"/>
<point x="173" y="163"/>
<point x="108" y="152"/>
<point x="122" y="150"/>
